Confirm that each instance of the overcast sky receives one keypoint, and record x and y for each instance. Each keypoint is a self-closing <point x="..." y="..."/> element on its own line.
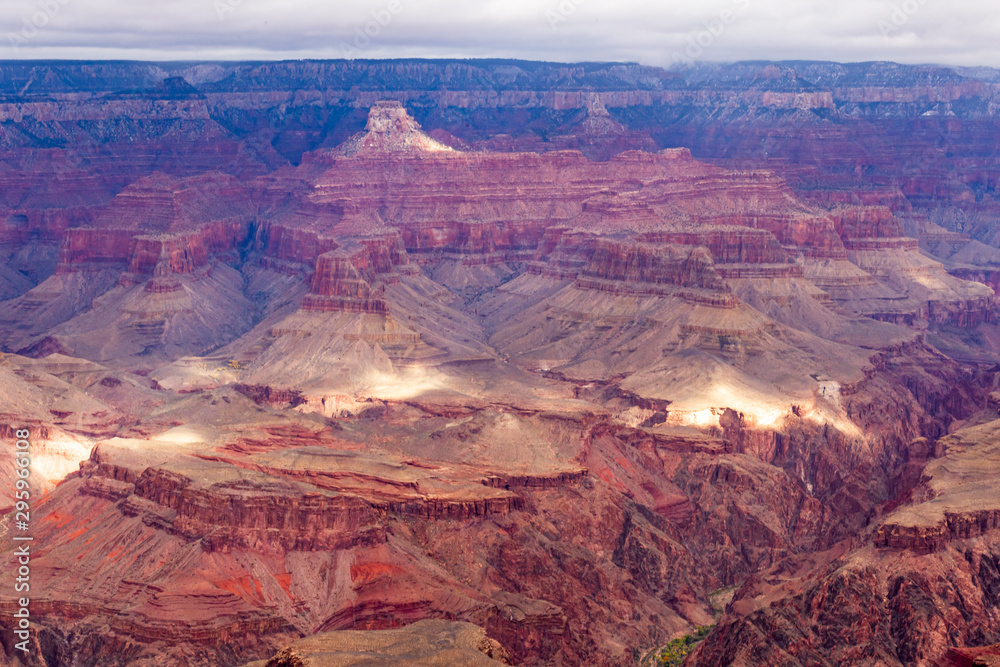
<point x="956" y="32"/>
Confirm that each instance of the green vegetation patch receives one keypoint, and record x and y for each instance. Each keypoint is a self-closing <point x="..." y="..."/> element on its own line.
<point x="674" y="653"/>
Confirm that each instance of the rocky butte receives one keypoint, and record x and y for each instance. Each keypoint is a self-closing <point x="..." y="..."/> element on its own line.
<point x="486" y="362"/>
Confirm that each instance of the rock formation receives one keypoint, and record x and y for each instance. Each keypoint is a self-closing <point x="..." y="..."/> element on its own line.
<point x="586" y="358"/>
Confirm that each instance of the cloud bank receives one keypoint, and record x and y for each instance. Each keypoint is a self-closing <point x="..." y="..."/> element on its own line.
<point x="959" y="32"/>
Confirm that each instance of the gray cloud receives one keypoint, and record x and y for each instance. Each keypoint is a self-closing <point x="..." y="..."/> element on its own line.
<point x="958" y="32"/>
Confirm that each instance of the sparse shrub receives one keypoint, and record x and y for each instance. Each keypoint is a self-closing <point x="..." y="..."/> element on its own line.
<point x="725" y="340"/>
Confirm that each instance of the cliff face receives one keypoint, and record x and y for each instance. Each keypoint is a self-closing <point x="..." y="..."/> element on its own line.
<point x="899" y="611"/>
<point x="240" y="515"/>
<point x="926" y="579"/>
<point x="650" y="264"/>
<point x="282" y="530"/>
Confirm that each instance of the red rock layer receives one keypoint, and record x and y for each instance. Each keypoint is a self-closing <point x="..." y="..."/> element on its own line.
<point x="183" y="253"/>
<point x="353" y="278"/>
<point x="956" y="526"/>
<point x="291" y="244"/>
<point x="654" y="264"/>
<point x="729" y="245"/>
<point x="988" y="277"/>
<point x="85" y="249"/>
<point x="866" y="222"/>
<point x="465" y="238"/>
<point x="238" y="516"/>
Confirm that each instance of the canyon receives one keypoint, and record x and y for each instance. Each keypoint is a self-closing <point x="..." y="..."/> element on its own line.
<point x="473" y="362"/>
